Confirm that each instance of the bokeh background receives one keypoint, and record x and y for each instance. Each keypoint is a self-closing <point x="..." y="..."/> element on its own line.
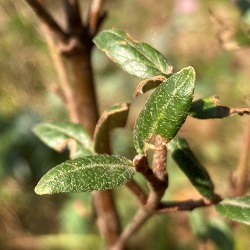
<point x="211" y="36"/>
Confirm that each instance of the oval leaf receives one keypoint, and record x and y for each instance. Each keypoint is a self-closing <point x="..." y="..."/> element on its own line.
<point x="192" y="168"/>
<point x="236" y="209"/>
<point x="60" y="135"/>
<point x="138" y="59"/>
<point x="166" y="109"/>
<point x="85" y="174"/>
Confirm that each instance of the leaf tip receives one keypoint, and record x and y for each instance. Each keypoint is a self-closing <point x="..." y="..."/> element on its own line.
<point x="35" y="129"/>
<point x="41" y="189"/>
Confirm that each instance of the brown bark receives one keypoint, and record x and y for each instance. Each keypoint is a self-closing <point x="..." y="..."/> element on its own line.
<point x="71" y="54"/>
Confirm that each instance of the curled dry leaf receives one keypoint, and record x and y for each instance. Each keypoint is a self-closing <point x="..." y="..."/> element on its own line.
<point x="114" y="117"/>
<point x="149" y="84"/>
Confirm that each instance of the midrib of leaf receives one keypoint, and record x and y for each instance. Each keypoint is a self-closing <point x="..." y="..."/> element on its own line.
<point x="141" y="52"/>
<point x="148" y="62"/>
<point x="69" y="135"/>
<point x="162" y="114"/>
<point x="235" y="203"/>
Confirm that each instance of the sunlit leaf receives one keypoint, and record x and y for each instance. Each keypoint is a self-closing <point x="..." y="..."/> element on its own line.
<point x="208" y="107"/>
<point x="85" y="174"/>
<point x="61" y="135"/>
<point x="189" y="164"/>
<point x="138" y="59"/>
<point x="115" y="116"/>
<point x="166" y="109"/>
<point x="236" y="208"/>
<point x="69" y="241"/>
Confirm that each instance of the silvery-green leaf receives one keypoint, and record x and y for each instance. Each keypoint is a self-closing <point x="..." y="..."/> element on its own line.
<point x="85" y="174"/>
<point x="236" y="209"/>
<point x="61" y="135"/>
<point x="138" y="59"/>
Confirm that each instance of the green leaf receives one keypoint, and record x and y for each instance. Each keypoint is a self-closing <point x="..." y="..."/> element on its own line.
<point x="138" y="59"/>
<point x="60" y="135"/>
<point x="115" y="116"/>
<point x="221" y="234"/>
<point x="236" y="209"/>
<point x="208" y="107"/>
<point x="166" y="109"/>
<point x="212" y="228"/>
<point x="242" y="36"/>
<point x="69" y="241"/>
<point x="85" y="174"/>
<point x="189" y="164"/>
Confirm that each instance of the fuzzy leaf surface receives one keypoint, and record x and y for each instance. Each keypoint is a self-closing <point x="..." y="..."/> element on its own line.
<point x="166" y="109"/>
<point x="236" y="209"/>
<point x="138" y="59"/>
<point x="189" y="164"/>
<point x="86" y="174"/>
<point x="60" y="135"/>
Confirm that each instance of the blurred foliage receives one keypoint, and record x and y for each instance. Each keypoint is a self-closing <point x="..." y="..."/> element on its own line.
<point x="213" y="228"/>
<point x="182" y="30"/>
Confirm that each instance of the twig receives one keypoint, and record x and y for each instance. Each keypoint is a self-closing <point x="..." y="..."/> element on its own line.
<point x="157" y="189"/>
<point x="160" y="159"/>
<point x="239" y="111"/>
<point x="107" y="216"/>
<point x="187" y="205"/>
<point x="140" y="163"/>
<point x="141" y="216"/>
<point x="136" y="189"/>
<point x="95" y="17"/>
<point x="73" y="17"/>
<point x="241" y="172"/>
<point x="46" y="18"/>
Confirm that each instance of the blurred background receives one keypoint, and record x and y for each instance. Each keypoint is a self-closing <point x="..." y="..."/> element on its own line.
<point x="212" y="36"/>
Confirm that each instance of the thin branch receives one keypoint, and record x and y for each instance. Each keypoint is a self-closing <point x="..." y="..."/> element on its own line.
<point x="157" y="189"/>
<point x="47" y="19"/>
<point x="160" y="159"/>
<point x="141" y="216"/>
<point x="187" y="205"/>
<point x="158" y="186"/>
<point x="140" y="163"/>
<point x="241" y="173"/>
<point x="239" y="111"/>
<point x="107" y="216"/>
<point x="73" y="17"/>
<point x="95" y="16"/>
<point x="136" y="189"/>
